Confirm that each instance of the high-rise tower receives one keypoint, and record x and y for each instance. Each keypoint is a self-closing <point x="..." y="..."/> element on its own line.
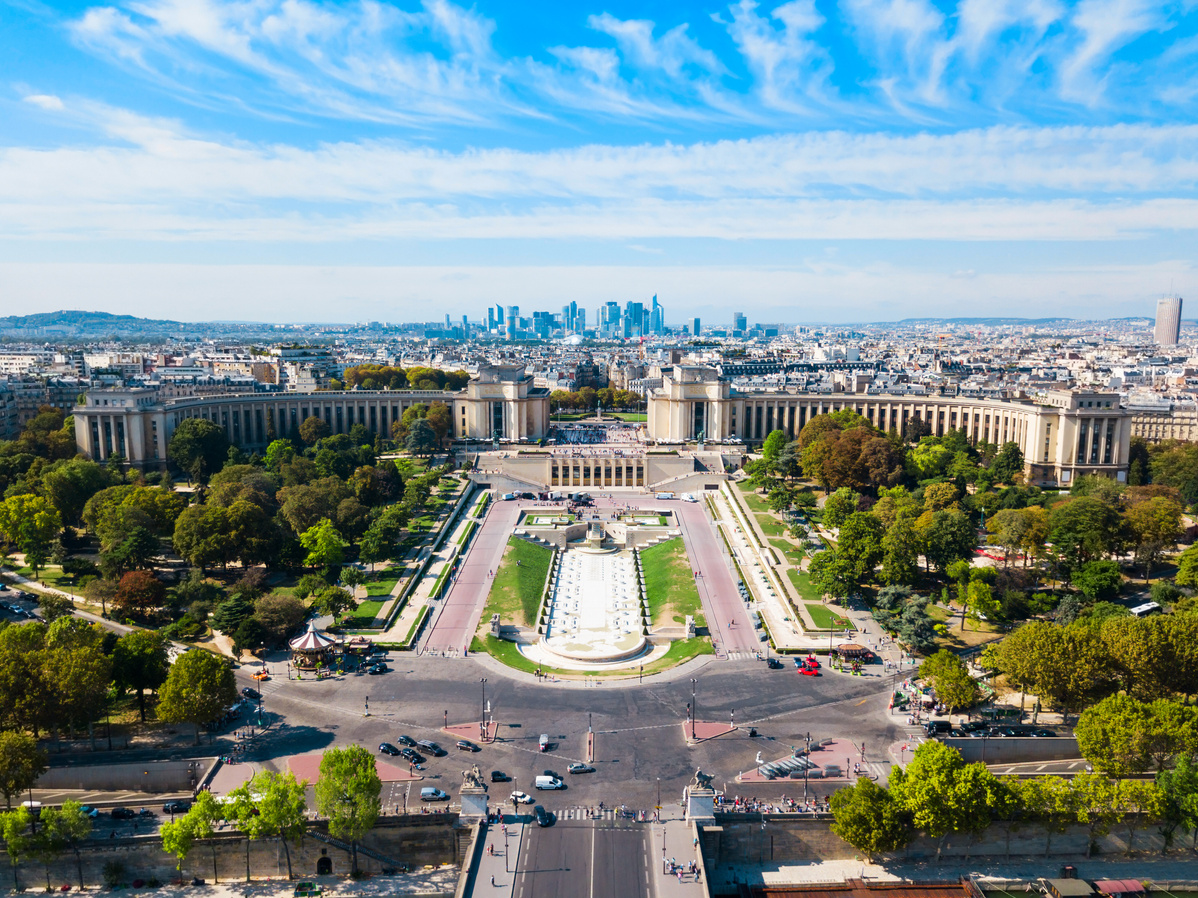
<point x="1168" y="321"/>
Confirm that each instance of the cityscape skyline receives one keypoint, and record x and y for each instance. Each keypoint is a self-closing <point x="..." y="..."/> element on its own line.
<point x="862" y="160"/>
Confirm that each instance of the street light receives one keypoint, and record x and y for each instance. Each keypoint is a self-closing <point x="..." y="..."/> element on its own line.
<point x="694" y="708"/>
<point x="483" y="725"/>
<point x="806" y="766"/>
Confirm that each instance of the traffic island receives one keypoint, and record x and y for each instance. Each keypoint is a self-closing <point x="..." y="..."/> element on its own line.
<point x="704" y="730"/>
<point x="474" y="732"/>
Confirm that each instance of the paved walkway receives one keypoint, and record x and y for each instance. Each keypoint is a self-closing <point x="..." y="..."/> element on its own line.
<point x="499" y="860"/>
<point x="674" y="839"/>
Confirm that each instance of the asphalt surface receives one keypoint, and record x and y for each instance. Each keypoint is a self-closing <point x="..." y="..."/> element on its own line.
<point x="639" y="739"/>
<point x="584" y="860"/>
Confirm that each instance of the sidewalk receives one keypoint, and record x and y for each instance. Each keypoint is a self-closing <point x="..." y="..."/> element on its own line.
<point x="674" y="839"/>
<point x="502" y="864"/>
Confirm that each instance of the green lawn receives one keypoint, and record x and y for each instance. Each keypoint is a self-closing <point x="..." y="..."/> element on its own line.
<point x="670" y="581"/>
<point x="465" y="534"/>
<point x="509" y="654"/>
<point x="770" y="525"/>
<point x="516" y="590"/>
<point x="363" y="616"/>
<point x="51" y="575"/>
<point x="385" y="583"/>
<point x="753" y="499"/>
<point x="792" y="552"/>
<point x="802" y="583"/>
<point x="826" y="619"/>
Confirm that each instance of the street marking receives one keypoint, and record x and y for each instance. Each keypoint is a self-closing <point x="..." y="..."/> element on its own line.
<point x="863" y="701"/>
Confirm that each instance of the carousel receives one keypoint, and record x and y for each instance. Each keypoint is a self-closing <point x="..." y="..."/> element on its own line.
<point x="313" y="650"/>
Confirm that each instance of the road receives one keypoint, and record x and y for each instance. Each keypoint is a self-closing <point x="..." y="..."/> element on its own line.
<point x="576" y="859"/>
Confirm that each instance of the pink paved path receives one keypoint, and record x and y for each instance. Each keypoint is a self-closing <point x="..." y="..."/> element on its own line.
<point x="472" y="731"/>
<point x="307" y="767"/>
<point x="727" y="617"/>
<point x="705" y="729"/>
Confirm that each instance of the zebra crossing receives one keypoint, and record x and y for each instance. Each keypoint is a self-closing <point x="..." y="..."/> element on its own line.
<point x="593" y="813"/>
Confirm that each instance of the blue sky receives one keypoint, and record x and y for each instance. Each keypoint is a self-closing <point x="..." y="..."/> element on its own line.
<point x="806" y="161"/>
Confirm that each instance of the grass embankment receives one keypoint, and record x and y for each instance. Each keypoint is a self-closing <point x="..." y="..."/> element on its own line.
<point x="670" y="583"/>
<point x="825" y="618"/>
<point x="516" y="590"/>
<point x="509" y="654"/>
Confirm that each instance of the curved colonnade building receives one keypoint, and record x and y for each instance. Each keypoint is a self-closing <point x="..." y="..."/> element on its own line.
<point x="137" y="424"/>
<point x="1065" y="435"/>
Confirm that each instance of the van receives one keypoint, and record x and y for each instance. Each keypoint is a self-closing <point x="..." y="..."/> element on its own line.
<point x="664" y="496"/>
<point x="431" y="748"/>
<point x="544" y="743"/>
<point x="549" y="782"/>
<point x="428" y="793"/>
<point x="508" y="497"/>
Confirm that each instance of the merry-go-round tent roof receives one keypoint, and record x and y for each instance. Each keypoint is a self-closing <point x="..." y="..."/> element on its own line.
<point x="852" y="650"/>
<point x="311" y="640"/>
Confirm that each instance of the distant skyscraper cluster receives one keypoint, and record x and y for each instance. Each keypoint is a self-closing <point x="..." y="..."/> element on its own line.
<point x="1168" y="321"/>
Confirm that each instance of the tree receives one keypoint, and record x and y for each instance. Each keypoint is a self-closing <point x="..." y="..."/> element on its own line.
<point x="139" y="662"/>
<point x="199" y="447"/>
<point x="334" y="601"/>
<point x="900" y="552"/>
<point x="1156" y="526"/>
<point x="1052" y="802"/>
<point x="249" y="636"/>
<point x="69" y="484"/>
<point x="1114" y="736"/>
<point x="203" y="536"/>
<point x="279" y="453"/>
<point x="868" y="818"/>
<point x="231" y="612"/>
<point x="440" y="420"/>
<point x="201" y="820"/>
<point x="1067" y="666"/>
<point x="1178" y="790"/>
<point x="773" y="445"/>
<point x="314" y="429"/>
<point x="982" y="604"/>
<point x="1138" y="802"/>
<point x="1083" y="529"/>
<point x="1094" y="802"/>
<point x="21" y="763"/>
<point x="178" y="838"/>
<point x="949" y="677"/>
<point x="948" y="536"/>
<point x="54" y="605"/>
<point x="139" y="592"/>
<point x="1007" y="466"/>
<point x="1187" y="567"/>
<point x="326" y="548"/>
<point x="860" y="542"/>
<point x="14" y="827"/>
<point x="1098" y="579"/>
<point x="833" y="574"/>
<point x="197" y="690"/>
<point x="839" y="506"/>
<point x="30" y="523"/>
<point x="347" y="793"/>
<point x="66" y="826"/>
<point x="279" y="614"/>
<point x="421" y="439"/>
<point x="942" y="793"/>
<point x="272" y="805"/>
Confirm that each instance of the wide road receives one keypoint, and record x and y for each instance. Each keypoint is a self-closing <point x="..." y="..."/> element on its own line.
<point x="576" y="859"/>
<point x="727" y="617"/>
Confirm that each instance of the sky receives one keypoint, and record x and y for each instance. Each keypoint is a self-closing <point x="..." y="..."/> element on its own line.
<point x="810" y="161"/>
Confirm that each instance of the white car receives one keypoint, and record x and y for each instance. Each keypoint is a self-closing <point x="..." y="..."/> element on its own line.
<point x="522" y="798"/>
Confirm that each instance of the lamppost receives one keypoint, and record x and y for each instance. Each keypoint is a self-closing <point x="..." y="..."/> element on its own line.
<point x="694" y="708"/>
<point x="483" y="726"/>
<point x="515" y="800"/>
<point x="806" y="766"/>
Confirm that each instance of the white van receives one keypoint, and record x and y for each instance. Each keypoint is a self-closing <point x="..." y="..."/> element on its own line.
<point x="664" y="496"/>
<point x="544" y="743"/>
<point x="549" y="782"/>
<point x="508" y="497"/>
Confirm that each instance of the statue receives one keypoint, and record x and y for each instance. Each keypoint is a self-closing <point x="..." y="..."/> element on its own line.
<point x="472" y="778"/>
<point x="702" y="780"/>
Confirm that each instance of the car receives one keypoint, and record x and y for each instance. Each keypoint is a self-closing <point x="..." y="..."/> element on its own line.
<point x="432" y="748"/>
<point x="809" y="671"/>
<point x="1047" y="734"/>
<point x="580" y="768"/>
<point x="388" y="749"/>
<point x="428" y="793"/>
<point x="498" y="776"/>
<point x="252" y="694"/>
<point x="773" y="663"/>
<point x="521" y="798"/>
<point x="406" y="740"/>
<point x="375" y="669"/>
<point x="544" y="818"/>
<point x="144" y="812"/>
<point x="467" y="745"/>
<point x="410" y="754"/>
<point x="122" y="814"/>
<point x="177" y="806"/>
<point x="89" y="811"/>
<point x="970" y="726"/>
<point x="811" y="661"/>
<point x="938" y="728"/>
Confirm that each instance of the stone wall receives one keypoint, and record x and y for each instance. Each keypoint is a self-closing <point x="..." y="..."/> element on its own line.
<point x="148" y="776"/>
<point x="1013" y="750"/>
<point x="415" y="840"/>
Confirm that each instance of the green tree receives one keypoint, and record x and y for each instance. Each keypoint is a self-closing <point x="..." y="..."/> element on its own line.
<point x="1187" y="567"/>
<point x="421" y="438"/>
<point x="201" y="821"/>
<point x="249" y="636"/>
<point x="1178" y="790"/>
<point x="839" y="506"/>
<point x="53" y="606"/>
<point x="178" y="838"/>
<point x="347" y="793"/>
<point x="14" y="826"/>
<point x="900" y="552"/>
<point x="197" y="690"/>
<point x="21" y="763"/>
<point x="982" y="604"/>
<point x="868" y="818"/>
<point x="860" y="540"/>
<point x="272" y="805"/>
<point x="1139" y="802"/>
<point x="833" y="574"/>
<point x="773" y="445"/>
<point x="231" y="612"/>
<point x="139" y="662"/>
<point x="280" y="614"/>
<point x="67" y="826"/>
<point x="69" y="484"/>
<point x="949" y="677"/>
<point x="325" y="546"/>
<point x="1114" y="736"/>
<point x="334" y="601"/>
<point x="314" y="429"/>
<point x="203" y="536"/>
<point x="1098" y="579"/>
<point x="1007" y="466"/>
<point x="199" y="447"/>
<point x="1083" y="529"/>
<point x="30" y="523"/>
<point x="1094" y="802"/>
<point x="1155" y="526"/>
<point x="948" y="536"/>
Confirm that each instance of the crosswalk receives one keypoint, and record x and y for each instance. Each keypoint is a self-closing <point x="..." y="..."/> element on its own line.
<point x="741" y="656"/>
<point x="594" y="813"/>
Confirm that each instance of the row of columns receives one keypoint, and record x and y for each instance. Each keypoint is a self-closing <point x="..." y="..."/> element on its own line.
<point x="595" y="472"/>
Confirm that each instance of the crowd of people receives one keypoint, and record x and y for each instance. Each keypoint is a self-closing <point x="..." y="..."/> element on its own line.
<point x="594" y="434"/>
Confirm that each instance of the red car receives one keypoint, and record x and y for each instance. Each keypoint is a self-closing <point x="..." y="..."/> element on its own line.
<point x="809" y="671"/>
<point x="811" y="662"/>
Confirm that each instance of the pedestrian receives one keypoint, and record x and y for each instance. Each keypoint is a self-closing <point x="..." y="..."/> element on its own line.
<point x="492" y="880"/>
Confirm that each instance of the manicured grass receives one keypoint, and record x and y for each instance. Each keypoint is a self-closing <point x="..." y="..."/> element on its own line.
<point x="669" y="581"/>
<point x="770" y="525"/>
<point x="509" y="654"/>
<point x="802" y="582"/>
<point x="465" y="534"/>
<point x="753" y="499"/>
<point x="385" y="583"/>
<point x="792" y="552"/>
<point x="516" y="590"/>
<point x="826" y="619"/>
<point x="364" y="615"/>
<point x="480" y="506"/>
<point x="51" y="575"/>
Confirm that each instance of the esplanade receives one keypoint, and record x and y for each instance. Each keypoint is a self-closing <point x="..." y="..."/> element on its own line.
<point x="137" y="424"/>
<point x="1062" y="435"/>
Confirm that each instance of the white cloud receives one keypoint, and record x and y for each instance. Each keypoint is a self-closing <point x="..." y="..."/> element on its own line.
<point x="1105" y="27"/>
<point x="789" y="66"/>
<point x="45" y="101"/>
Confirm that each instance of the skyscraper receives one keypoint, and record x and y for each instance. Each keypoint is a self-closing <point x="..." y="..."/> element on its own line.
<point x="739" y="322"/>
<point x="657" y="318"/>
<point x="1168" y="321"/>
<point x="694" y="327"/>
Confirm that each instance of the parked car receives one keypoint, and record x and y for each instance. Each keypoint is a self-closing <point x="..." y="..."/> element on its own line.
<point x="123" y="814"/>
<point x="410" y="754"/>
<point x="388" y="749"/>
<point x="1047" y="734"/>
<point x="376" y="669"/>
<point x="467" y="745"/>
<point x="521" y="798"/>
<point x="406" y="740"/>
<point x="177" y="806"/>
<point x="580" y="768"/>
<point x="809" y="671"/>
<point x="431" y="747"/>
<point x="498" y="776"/>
